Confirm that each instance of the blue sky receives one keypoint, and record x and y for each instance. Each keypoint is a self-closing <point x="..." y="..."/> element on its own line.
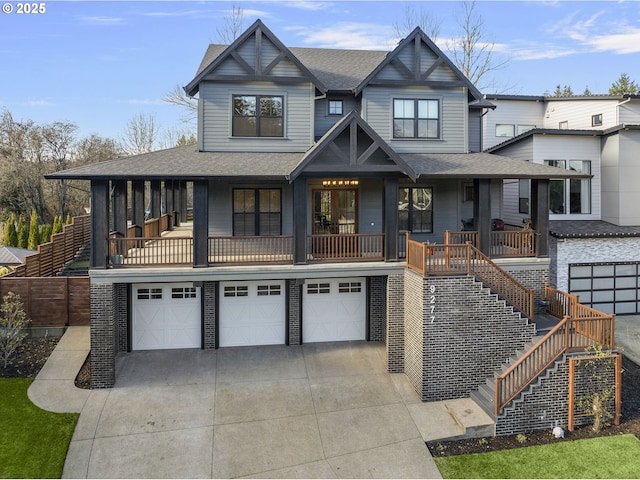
<point x="99" y="64"/>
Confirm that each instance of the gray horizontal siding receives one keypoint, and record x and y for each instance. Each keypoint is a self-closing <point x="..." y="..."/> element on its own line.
<point x="216" y="129"/>
<point x="324" y="121"/>
<point x="378" y="112"/>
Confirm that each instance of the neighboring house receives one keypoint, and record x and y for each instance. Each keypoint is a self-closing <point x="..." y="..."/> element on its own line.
<point x="13" y="256"/>
<point x="594" y="222"/>
<point x="311" y="167"/>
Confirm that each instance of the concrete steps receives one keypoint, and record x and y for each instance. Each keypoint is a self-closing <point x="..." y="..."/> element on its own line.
<point x="451" y="420"/>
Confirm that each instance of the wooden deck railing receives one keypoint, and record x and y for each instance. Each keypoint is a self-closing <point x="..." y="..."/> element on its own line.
<point x="142" y="251"/>
<point x="581" y="327"/>
<point x="431" y="259"/>
<point x="504" y="243"/>
<point x="277" y="249"/>
<point x="363" y="246"/>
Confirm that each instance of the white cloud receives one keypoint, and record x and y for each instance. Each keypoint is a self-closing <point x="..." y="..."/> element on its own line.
<point x="309" y="5"/>
<point x="143" y="101"/>
<point x="102" y="20"/>
<point x="38" y="103"/>
<point x="619" y="43"/>
<point x="356" y="36"/>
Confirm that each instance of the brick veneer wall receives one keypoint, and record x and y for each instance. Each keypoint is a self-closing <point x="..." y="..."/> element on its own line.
<point x="377" y="308"/>
<point x="103" y="335"/>
<point x="294" y="312"/>
<point x="531" y="277"/>
<point x="121" y="312"/>
<point x="395" y="323"/>
<point x="208" y="292"/>
<point x="414" y="345"/>
<point x="471" y="334"/>
<point x="545" y="403"/>
<point x="592" y="250"/>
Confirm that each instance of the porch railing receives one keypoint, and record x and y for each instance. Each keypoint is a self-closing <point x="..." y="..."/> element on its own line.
<point x="581" y="327"/>
<point x="143" y="251"/>
<point x="431" y="259"/>
<point x="355" y="247"/>
<point x="251" y="249"/>
<point x="516" y="242"/>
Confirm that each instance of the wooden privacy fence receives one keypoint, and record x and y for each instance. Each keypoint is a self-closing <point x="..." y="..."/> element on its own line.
<point x="52" y="256"/>
<point x="581" y="327"/>
<point x="51" y="301"/>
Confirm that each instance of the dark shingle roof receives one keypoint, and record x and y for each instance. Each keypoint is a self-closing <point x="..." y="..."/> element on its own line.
<point x="187" y="163"/>
<point x="590" y="229"/>
<point x="544" y="131"/>
<point x="481" y="165"/>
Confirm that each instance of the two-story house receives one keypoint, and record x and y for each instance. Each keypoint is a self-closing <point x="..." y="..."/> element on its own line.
<point x="594" y="222"/>
<point x="312" y="168"/>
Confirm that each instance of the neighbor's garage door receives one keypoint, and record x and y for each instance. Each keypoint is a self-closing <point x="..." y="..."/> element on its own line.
<point x="334" y="309"/>
<point x="608" y="287"/>
<point x="252" y="313"/>
<point x="166" y="316"/>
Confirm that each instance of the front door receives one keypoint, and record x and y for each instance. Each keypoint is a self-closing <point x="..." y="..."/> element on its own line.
<point x="335" y="212"/>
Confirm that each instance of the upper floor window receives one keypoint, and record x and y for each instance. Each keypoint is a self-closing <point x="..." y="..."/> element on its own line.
<point x="415" y="209"/>
<point x="596" y="120"/>
<point x="571" y="195"/>
<point x="335" y="107"/>
<point x="505" y="130"/>
<point x="416" y="118"/>
<point x="257" y="211"/>
<point x="524" y="128"/>
<point x="258" y="116"/>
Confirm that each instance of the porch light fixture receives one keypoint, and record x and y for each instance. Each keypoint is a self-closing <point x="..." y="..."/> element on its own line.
<point x="340" y="183"/>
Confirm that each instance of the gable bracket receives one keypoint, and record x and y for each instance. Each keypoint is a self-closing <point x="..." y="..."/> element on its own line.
<point x="339" y="153"/>
<point x="258" y="51"/>
<point x="416" y="58"/>
<point x="241" y="61"/>
<point x="353" y="142"/>
<point x="273" y="63"/>
<point x="430" y="70"/>
<point x="402" y="68"/>
<point x="368" y="152"/>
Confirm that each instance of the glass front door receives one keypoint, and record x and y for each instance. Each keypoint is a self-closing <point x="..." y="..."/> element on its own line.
<point x="335" y="212"/>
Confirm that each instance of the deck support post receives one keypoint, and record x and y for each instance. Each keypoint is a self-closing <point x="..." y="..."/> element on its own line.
<point x="168" y="190"/>
<point x="156" y="199"/>
<point x="99" y="222"/>
<point x="390" y="216"/>
<point x="138" y="206"/>
<point x="201" y="223"/>
<point x="300" y="220"/>
<point x="482" y="213"/>
<point x="540" y="215"/>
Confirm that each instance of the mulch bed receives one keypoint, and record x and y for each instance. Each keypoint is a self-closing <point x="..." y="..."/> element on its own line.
<point x="29" y="358"/>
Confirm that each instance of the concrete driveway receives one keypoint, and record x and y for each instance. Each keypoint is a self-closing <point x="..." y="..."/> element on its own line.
<point x="316" y="411"/>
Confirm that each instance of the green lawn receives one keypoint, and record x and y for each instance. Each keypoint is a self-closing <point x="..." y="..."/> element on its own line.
<point x="33" y="442"/>
<point x="603" y="457"/>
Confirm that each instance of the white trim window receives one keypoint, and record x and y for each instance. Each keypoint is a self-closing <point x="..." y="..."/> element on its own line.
<point x="505" y="130"/>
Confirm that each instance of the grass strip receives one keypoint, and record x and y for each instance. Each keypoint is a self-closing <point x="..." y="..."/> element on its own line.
<point x="603" y="457"/>
<point x="33" y="442"/>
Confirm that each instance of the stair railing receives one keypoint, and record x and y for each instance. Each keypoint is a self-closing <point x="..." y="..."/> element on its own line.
<point x="465" y="259"/>
<point x="581" y="327"/>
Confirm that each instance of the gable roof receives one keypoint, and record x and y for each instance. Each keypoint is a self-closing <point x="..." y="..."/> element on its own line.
<point x="14" y="255"/>
<point x="545" y="131"/>
<point x="258" y="71"/>
<point x="419" y="73"/>
<point x="352" y="160"/>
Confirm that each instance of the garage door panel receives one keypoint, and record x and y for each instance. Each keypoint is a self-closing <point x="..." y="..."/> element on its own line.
<point x="610" y="287"/>
<point x="166" y="316"/>
<point x="334" y="310"/>
<point x="252" y="313"/>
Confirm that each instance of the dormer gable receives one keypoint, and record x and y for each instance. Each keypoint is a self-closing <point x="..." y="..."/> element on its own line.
<point x="351" y="146"/>
<point x="418" y="61"/>
<point x="256" y="55"/>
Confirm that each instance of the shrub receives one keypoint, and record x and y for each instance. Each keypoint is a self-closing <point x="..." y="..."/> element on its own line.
<point x="13" y="321"/>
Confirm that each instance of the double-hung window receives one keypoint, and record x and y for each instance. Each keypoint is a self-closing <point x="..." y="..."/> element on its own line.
<point x="257" y="211"/>
<point x="258" y="116"/>
<point x="415" y="209"/>
<point x="572" y="195"/>
<point x="416" y="118"/>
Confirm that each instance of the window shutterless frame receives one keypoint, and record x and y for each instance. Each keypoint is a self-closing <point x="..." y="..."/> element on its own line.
<point x="257" y="116"/>
<point x="416" y="118"/>
<point x="257" y="211"/>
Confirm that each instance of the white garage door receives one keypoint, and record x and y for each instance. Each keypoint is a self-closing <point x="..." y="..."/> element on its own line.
<point x="334" y="309"/>
<point x="166" y="316"/>
<point x="252" y="313"/>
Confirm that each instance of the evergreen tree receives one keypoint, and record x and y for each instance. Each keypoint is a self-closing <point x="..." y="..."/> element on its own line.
<point x="587" y="92"/>
<point x="57" y="225"/>
<point x="10" y="233"/>
<point x="34" y="232"/>
<point x="23" y="233"/>
<point x="68" y="220"/>
<point x="45" y="235"/>
<point x="624" y="86"/>
<point x="565" y="91"/>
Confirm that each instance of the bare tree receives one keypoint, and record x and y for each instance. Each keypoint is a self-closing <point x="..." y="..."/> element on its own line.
<point x="140" y="135"/>
<point x="59" y="139"/>
<point x="413" y="18"/>
<point x="232" y="26"/>
<point x="472" y="52"/>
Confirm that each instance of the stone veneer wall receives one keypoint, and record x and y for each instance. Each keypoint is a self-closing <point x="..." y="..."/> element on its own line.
<point x="209" y="300"/>
<point x="395" y="323"/>
<point x="545" y="403"/>
<point x="294" y="312"/>
<point x="591" y="250"/>
<point x="466" y="334"/>
<point x="103" y="335"/>
<point x="377" y="308"/>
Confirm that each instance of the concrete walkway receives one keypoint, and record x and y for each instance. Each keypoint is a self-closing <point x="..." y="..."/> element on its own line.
<point x="320" y="410"/>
